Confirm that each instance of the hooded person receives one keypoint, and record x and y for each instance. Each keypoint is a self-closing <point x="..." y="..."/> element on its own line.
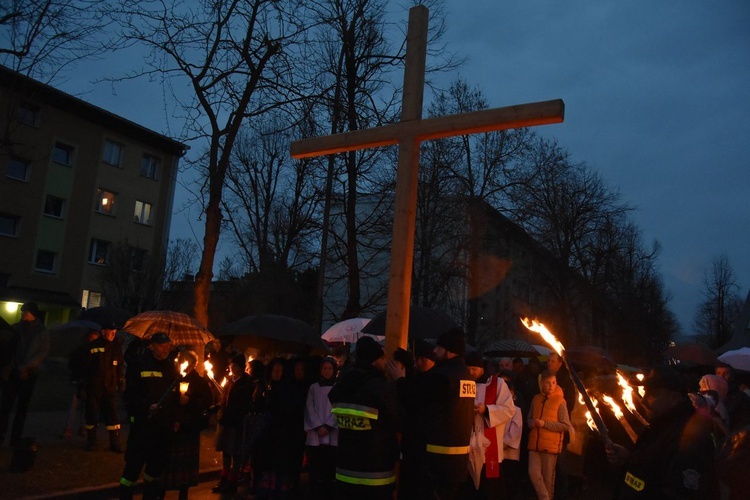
<point x="367" y="415"/>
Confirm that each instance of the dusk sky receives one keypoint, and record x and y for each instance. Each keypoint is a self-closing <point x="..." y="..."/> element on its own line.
<point x="656" y="96"/>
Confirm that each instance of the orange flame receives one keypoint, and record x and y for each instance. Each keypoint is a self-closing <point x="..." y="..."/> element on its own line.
<point x="627" y="392"/>
<point x="641" y="390"/>
<point x="224" y="382"/>
<point x="183" y="367"/>
<point x="589" y="419"/>
<point x="615" y="407"/>
<point x="539" y="328"/>
<point x="209" y="369"/>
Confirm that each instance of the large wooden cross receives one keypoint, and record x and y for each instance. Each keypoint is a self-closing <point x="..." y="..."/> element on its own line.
<point x="408" y="134"/>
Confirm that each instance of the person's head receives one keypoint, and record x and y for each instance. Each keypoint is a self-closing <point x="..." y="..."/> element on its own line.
<point x="237" y="365"/>
<point x="506" y="364"/>
<point x="424" y="356"/>
<point x="192" y="360"/>
<point x="30" y="311"/>
<point x="450" y="345"/>
<point x="475" y="363"/>
<point x="548" y="382"/>
<point x="724" y="371"/>
<point x="91" y="335"/>
<point x="369" y="352"/>
<point x="714" y="383"/>
<point x="160" y="345"/>
<point x="109" y="330"/>
<point x="554" y="362"/>
<point x="535" y="366"/>
<point x="276" y="369"/>
<point x="665" y="388"/>
<point x="299" y="369"/>
<point x="328" y="367"/>
<point x="518" y="365"/>
<point x="257" y="369"/>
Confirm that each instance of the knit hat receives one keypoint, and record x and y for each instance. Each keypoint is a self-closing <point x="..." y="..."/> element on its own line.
<point x="160" y="338"/>
<point x="453" y="341"/>
<point x="424" y="349"/>
<point x="474" y="359"/>
<point x="368" y="350"/>
<point x="239" y="360"/>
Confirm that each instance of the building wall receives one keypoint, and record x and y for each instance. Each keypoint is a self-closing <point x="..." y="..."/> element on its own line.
<point x="65" y="120"/>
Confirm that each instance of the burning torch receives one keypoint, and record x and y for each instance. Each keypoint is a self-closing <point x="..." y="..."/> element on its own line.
<point x="539" y="328"/>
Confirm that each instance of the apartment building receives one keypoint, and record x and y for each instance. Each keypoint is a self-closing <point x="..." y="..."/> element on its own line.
<point x="75" y="180"/>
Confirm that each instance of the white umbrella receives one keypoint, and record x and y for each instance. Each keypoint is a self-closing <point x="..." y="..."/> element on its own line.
<point x="739" y="359"/>
<point x="346" y="331"/>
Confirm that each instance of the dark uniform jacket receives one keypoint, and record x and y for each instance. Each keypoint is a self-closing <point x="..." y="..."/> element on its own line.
<point x="673" y="459"/>
<point x="447" y="416"/>
<point x="367" y="415"/>
<point x="147" y="381"/>
<point x="104" y="370"/>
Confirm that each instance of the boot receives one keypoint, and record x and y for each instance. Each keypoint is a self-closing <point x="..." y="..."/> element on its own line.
<point x="90" y="439"/>
<point x="114" y="441"/>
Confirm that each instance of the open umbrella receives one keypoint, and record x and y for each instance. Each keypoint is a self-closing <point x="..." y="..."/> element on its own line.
<point x="76" y="326"/>
<point x="739" y="359"/>
<point x="345" y="331"/>
<point x="424" y="323"/>
<point x="273" y="333"/>
<point x="511" y="348"/>
<point x="692" y="352"/>
<point x="590" y="357"/>
<point x="106" y="314"/>
<point x="181" y="328"/>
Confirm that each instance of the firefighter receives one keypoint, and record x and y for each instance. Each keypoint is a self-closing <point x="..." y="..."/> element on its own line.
<point x="104" y="371"/>
<point x="446" y="416"/>
<point x="150" y="378"/>
<point x="366" y="409"/>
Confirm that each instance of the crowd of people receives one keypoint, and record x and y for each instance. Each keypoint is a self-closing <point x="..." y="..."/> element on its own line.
<point x="434" y="422"/>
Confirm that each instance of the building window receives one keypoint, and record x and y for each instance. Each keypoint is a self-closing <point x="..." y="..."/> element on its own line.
<point x="45" y="261"/>
<point x="112" y="153"/>
<point x="10" y="225"/>
<point x="19" y="169"/>
<point x="63" y="154"/>
<point x="150" y="166"/>
<point x="142" y="212"/>
<point x="99" y="252"/>
<point x="105" y="202"/>
<point x="28" y="114"/>
<point x="91" y="299"/>
<point x="54" y="206"/>
<point x="138" y="259"/>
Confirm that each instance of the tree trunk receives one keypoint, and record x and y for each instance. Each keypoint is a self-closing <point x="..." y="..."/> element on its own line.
<point x="202" y="288"/>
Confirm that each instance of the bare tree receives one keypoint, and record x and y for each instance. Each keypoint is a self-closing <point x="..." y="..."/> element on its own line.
<point x="720" y="305"/>
<point x="40" y="38"/>
<point x="233" y="60"/>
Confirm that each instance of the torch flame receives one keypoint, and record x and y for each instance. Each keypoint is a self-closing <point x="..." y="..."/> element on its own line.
<point x="224" y="382"/>
<point x="641" y="390"/>
<point x="627" y="392"/>
<point x="183" y="367"/>
<point x="209" y="369"/>
<point x="615" y="407"/>
<point x="589" y="419"/>
<point x="539" y="328"/>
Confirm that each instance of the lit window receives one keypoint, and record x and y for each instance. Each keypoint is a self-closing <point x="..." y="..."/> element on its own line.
<point x="28" y="114"/>
<point x="19" y="169"/>
<point x="45" y="261"/>
<point x="105" y="202"/>
<point x="10" y="225"/>
<point x="112" y="153"/>
<point x="62" y="154"/>
<point x="99" y="252"/>
<point x="54" y="206"/>
<point x="142" y="212"/>
<point x="91" y="299"/>
<point x="138" y="259"/>
<point x="150" y="166"/>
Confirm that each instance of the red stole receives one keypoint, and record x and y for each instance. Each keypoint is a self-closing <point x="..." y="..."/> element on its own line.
<point x="491" y="453"/>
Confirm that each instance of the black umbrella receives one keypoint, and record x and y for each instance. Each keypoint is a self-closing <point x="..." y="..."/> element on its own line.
<point x="107" y="314"/>
<point x="273" y="333"/>
<point x="424" y="323"/>
<point x="511" y="348"/>
<point x="77" y="326"/>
